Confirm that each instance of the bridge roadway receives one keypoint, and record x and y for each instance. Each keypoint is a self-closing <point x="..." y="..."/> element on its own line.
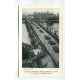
<point x="54" y="36"/>
<point x="44" y="56"/>
<point x="41" y="34"/>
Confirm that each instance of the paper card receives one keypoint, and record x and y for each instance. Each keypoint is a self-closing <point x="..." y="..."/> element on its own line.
<point x="40" y="40"/>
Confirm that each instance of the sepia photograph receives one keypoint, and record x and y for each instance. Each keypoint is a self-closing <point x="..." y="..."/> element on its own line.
<point x="40" y="39"/>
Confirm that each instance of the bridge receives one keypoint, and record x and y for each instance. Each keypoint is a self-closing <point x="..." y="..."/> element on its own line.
<point x="43" y="40"/>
